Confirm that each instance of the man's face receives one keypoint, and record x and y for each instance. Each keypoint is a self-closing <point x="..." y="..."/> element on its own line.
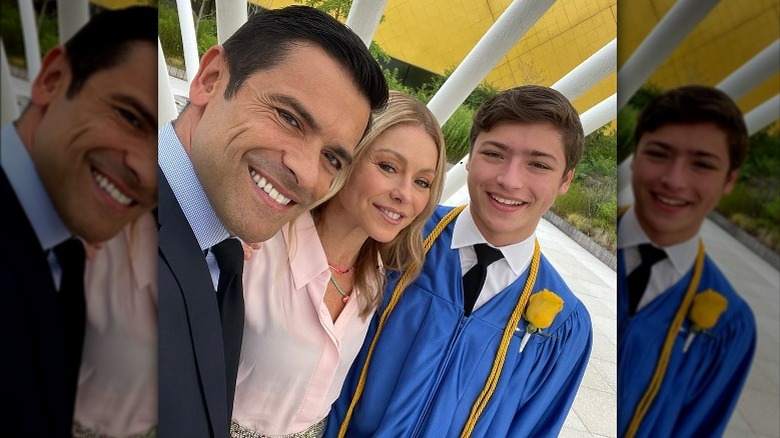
<point x="96" y="152"/>
<point x="515" y="173"/>
<point x="679" y="172"/>
<point x="270" y="152"/>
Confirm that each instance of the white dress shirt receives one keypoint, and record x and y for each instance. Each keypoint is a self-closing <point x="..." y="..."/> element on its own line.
<point x="500" y="274"/>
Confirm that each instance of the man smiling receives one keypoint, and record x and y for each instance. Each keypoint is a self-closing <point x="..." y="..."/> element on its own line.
<point x="680" y="374"/>
<point x="78" y="165"/>
<point x="273" y="117"/>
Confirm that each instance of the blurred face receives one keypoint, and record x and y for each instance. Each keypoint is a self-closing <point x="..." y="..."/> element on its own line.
<point x="96" y="153"/>
<point x="515" y="173"/>
<point x="391" y="185"/>
<point x="679" y="172"/>
<point x="270" y="152"/>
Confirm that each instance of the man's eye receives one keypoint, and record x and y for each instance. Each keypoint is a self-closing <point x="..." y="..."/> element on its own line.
<point x="288" y="118"/>
<point x="333" y="160"/>
<point x="129" y="117"/>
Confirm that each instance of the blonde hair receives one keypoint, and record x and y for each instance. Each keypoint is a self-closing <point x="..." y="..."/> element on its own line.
<point x="406" y="249"/>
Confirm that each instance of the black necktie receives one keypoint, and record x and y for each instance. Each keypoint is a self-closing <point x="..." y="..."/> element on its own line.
<point x="230" y="297"/>
<point x="637" y="280"/>
<point x="70" y="256"/>
<point x="475" y="278"/>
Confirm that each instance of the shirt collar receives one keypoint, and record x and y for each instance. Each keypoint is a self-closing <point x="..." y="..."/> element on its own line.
<point x="466" y="233"/>
<point x="29" y="189"/>
<point x="178" y="170"/>
<point x="631" y="235"/>
<point x="307" y="262"/>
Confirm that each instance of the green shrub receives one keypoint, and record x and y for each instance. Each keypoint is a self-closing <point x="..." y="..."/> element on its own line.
<point x="456" y="133"/>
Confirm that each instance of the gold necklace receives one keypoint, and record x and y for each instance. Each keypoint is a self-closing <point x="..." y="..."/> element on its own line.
<point x="344" y="297"/>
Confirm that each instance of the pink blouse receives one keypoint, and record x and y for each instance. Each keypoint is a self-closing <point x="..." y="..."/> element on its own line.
<point x="294" y="358"/>
<point x="117" y="392"/>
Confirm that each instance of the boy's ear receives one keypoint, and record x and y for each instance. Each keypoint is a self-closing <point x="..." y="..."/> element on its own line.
<point x="731" y="179"/>
<point x="566" y="181"/>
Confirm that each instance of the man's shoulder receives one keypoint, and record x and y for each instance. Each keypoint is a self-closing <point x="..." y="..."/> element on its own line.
<point x="715" y="280"/>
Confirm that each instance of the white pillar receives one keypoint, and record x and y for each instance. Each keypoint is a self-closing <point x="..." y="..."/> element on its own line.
<point x="589" y="73"/>
<point x="599" y="115"/>
<point x="678" y="22"/>
<point x="231" y="14"/>
<point x="71" y="16"/>
<point x="32" y="48"/>
<point x="763" y="115"/>
<point x="8" y="111"/>
<point x="502" y="36"/>
<point x="625" y="194"/>
<point x="364" y="17"/>
<point x="188" y="39"/>
<point x="752" y="73"/>
<point x="166" y="106"/>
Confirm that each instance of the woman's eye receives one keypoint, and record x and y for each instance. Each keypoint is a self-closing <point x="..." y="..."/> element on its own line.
<point x="423" y="183"/>
<point x="386" y="167"/>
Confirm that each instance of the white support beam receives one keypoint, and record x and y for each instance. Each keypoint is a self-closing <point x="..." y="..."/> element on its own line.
<point x="763" y="115"/>
<point x="8" y="111"/>
<point x="364" y="17"/>
<point x="231" y="14"/>
<point x="166" y="106"/>
<point x="32" y="48"/>
<point x="752" y="73"/>
<point x="188" y="39"/>
<point x="589" y="73"/>
<point x="518" y="17"/>
<point x="71" y="16"/>
<point x="678" y="22"/>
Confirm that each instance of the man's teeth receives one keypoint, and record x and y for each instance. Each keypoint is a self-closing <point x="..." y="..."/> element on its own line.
<point x="506" y="201"/>
<point x="391" y="214"/>
<point x="670" y="201"/>
<point x="268" y="188"/>
<point x="111" y="189"/>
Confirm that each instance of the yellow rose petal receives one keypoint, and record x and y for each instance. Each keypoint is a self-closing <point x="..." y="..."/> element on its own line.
<point x="542" y="308"/>
<point x="707" y="308"/>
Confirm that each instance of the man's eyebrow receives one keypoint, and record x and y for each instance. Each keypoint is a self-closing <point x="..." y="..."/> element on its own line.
<point x="137" y="106"/>
<point x="530" y="153"/>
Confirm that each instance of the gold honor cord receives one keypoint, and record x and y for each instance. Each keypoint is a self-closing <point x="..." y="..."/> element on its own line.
<point x="663" y="361"/>
<point x="498" y="363"/>
<point x="399" y="288"/>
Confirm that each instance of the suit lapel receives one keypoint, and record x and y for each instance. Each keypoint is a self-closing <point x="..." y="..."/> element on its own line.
<point x="177" y="244"/>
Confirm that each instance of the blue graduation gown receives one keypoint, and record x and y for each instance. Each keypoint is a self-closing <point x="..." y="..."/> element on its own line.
<point x="431" y="362"/>
<point x="701" y="387"/>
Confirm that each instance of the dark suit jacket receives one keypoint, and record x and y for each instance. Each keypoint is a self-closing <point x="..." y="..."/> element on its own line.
<point x="192" y="385"/>
<point x="36" y="394"/>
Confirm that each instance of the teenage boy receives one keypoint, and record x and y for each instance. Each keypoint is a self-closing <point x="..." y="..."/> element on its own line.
<point x="685" y="338"/>
<point x="454" y="354"/>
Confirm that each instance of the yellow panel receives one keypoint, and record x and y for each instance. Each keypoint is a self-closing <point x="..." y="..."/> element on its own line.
<point x="120" y="4"/>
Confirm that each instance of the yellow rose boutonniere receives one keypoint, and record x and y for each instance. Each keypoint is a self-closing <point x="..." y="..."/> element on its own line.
<point x="540" y="312"/>
<point x="704" y="313"/>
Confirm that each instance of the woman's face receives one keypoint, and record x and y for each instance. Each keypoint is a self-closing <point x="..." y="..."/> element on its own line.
<point x="391" y="184"/>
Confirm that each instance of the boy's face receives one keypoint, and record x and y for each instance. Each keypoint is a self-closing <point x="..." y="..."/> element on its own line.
<point x="515" y="173"/>
<point x="679" y="174"/>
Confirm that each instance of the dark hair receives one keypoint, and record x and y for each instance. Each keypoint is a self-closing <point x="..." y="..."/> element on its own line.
<point x="534" y="104"/>
<point x="105" y="40"/>
<point x="266" y="38"/>
<point x="694" y="104"/>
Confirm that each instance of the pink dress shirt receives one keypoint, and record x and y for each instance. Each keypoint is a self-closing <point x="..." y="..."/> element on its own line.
<point x="117" y="393"/>
<point x="294" y="358"/>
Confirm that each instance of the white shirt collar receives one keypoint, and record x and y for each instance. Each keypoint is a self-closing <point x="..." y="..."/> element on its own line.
<point x="178" y="170"/>
<point x="32" y="195"/>
<point x="466" y="233"/>
<point x="631" y="235"/>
